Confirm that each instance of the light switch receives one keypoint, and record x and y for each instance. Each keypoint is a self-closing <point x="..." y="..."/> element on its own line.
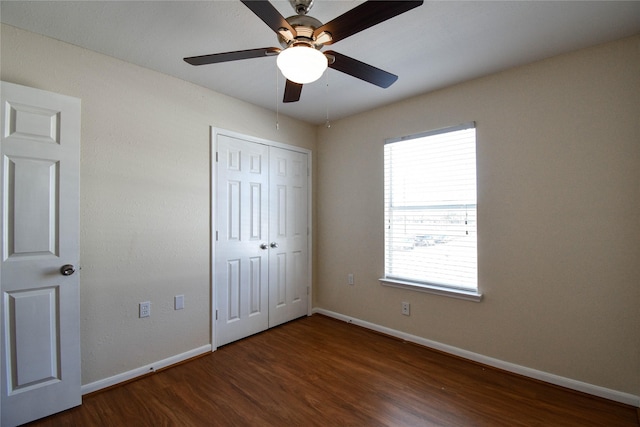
<point x="178" y="302"/>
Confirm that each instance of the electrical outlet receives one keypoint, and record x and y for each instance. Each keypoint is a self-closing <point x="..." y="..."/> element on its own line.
<point x="178" y="302"/>
<point x="406" y="307"/>
<point x="145" y="309"/>
<point x="350" y="278"/>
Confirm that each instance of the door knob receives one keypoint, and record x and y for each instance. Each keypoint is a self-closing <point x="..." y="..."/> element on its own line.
<point x="67" y="270"/>
<point x="263" y="246"/>
<point x="274" y="245"/>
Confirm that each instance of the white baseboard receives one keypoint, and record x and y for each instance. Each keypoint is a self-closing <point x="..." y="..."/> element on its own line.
<point x="595" y="390"/>
<point x="134" y="373"/>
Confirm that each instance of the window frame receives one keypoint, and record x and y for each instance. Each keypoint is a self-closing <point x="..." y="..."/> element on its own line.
<point x="426" y="286"/>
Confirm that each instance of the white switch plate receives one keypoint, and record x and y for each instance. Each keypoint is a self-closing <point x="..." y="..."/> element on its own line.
<point x="178" y="302"/>
<point x="350" y="278"/>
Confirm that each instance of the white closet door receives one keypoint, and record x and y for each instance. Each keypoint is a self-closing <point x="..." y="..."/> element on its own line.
<point x="288" y="235"/>
<point x="262" y="266"/>
<point x="242" y="254"/>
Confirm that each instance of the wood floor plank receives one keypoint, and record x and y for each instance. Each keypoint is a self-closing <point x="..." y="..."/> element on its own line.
<point x="318" y="371"/>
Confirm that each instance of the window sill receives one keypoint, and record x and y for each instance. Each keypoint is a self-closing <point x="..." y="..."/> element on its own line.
<point x="433" y="289"/>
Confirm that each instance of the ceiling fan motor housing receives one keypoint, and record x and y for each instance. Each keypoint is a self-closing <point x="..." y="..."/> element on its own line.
<point x="305" y="26"/>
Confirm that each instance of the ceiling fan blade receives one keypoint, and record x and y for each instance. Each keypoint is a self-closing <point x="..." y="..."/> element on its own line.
<point x="364" y="16"/>
<point x="270" y="16"/>
<point x="292" y="91"/>
<point x="232" y="56"/>
<point x="360" y="70"/>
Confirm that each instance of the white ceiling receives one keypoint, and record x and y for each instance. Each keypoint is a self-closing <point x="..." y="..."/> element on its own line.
<point x="435" y="45"/>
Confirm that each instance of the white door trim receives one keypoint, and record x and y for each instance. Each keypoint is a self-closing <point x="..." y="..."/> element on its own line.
<point x="212" y="225"/>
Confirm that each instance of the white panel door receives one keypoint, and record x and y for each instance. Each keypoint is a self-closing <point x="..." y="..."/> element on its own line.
<point x="288" y="235"/>
<point x="241" y="263"/>
<point x="40" y="234"/>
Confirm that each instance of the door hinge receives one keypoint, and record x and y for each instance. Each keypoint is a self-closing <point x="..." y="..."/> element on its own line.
<point x="216" y="314"/>
<point x="307" y="290"/>
<point x="216" y="157"/>
<point x="216" y="235"/>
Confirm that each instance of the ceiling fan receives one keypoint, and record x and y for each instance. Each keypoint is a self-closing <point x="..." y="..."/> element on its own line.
<point x="302" y="37"/>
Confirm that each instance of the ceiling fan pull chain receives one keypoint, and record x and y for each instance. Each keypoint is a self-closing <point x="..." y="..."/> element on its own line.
<point x="277" y="104"/>
<point x="327" y="123"/>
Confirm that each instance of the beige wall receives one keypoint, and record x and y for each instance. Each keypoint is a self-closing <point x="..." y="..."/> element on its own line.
<point x="558" y="183"/>
<point x="558" y="154"/>
<point x="144" y="195"/>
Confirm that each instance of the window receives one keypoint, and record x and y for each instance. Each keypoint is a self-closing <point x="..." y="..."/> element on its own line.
<point x="430" y="212"/>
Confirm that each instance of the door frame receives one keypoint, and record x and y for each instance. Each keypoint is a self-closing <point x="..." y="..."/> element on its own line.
<point x="213" y="209"/>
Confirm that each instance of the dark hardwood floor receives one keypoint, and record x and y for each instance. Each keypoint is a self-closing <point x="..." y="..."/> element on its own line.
<point x="317" y="371"/>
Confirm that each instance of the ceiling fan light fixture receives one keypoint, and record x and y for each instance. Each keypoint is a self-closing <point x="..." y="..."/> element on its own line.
<point x="302" y="64"/>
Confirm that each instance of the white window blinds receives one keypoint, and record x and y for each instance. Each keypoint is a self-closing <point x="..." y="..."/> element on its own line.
<point x="430" y="208"/>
